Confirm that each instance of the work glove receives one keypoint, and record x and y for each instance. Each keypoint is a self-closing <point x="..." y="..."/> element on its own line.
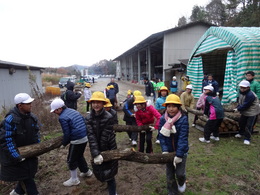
<point x="23" y="159"/>
<point x="98" y="160"/>
<point x="152" y="128"/>
<point x="151" y="94"/>
<point x="235" y="110"/>
<point x="165" y="152"/>
<point x="217" y="93"/>
<point x="176" y="160"/>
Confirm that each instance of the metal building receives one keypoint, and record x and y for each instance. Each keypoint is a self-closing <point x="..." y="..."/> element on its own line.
<point x="161" y="55"/>
<point x="18" y="78"/>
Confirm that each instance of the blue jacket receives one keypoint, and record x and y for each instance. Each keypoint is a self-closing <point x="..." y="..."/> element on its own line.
<point x="181" y="145"/>
<point x="213" y="83"/>
<point x="73" y="125"/>
<point x="159" y="102"/>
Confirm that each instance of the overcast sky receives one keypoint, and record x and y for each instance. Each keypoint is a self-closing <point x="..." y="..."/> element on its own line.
<point x="54" y="33"/>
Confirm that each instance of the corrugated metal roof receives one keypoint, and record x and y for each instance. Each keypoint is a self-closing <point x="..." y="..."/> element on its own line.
<point x="5" y="64"/>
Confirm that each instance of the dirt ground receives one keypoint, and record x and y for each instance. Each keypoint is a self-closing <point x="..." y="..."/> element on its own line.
<point x="131" y="176"/>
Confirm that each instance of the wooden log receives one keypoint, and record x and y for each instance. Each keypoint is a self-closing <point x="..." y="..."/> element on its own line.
<point x="200" y="123"/>
<point x="128" y="154"/>
<point x="233" y="116"/>
<point x="40" y="148"/>
<point x="132" y="155"/>
<point x="193" y="111"/>
<point x="203" y="118"/>
<point x="130" y="128"/>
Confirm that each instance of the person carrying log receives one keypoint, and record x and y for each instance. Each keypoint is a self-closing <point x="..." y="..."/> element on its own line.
<point x="187" y="99"/>
<point x="173" y="136"/>
<point x="102" y="138"/>
<point x="215" y="112"/>
<point x="74" y="133"/>
<point x="248" y="106"/>
<point x="200" y="105"/>
<point x="19" y="128"/>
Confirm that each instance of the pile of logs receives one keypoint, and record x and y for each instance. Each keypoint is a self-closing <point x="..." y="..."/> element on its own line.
<point x="229" y="123"/>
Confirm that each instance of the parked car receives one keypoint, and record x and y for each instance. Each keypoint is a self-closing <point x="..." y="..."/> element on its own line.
<point x="63" y="81"/>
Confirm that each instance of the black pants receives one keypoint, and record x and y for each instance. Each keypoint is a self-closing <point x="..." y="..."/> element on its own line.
<point x="132" y="135"/>
<point x="246" y="124"/>
<point x="212" y="127"/>
<point x="29" y="185"/>
<point x="76" y="158"/>
<point x="146" y="137"/>
<point x="87" y="106"/>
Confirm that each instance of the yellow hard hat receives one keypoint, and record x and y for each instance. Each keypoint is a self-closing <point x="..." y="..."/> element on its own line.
<point x="111" y="86"/>
<point x="129" y="92"/>
<point x="98" y="96"/>
<point x="108" y="103"/>
<point x="139" y="100"/>
<point x="137" y="93"/>
<point x="164" y="88"/>
<point x="172" y="99"/>
<point x="87" y="85"/>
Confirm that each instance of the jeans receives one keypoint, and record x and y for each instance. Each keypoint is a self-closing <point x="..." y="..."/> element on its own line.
<point x="176" y="175"/>
<point x="29" y="185"/>
<point x="246" y="124"/>
<point x="111" y="184"/>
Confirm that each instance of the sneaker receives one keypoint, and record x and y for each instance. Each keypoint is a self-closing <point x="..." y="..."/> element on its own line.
<point x="87" y="174"/>
<point x="193" y="125"/>
<point x="238" y="135"/>
<point x="202" y="139"/>
<point x="157" y="141"/>
<point x="134" y="143"/>
<point x="214" y="138"/>
<point x="182" y="188"/>
<point x="14" y="193"/>
<point x="71" y="182"/>
<point x="247" y="142"/>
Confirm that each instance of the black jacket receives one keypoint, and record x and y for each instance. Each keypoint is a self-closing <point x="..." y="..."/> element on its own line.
<point x="102" y="138"/>
<point x="115" y="86"/>
<point x="71" y="96"/>
<point x="148" y="88"/>
<point x="128" y="109"/>
<point x="17" y="130"/>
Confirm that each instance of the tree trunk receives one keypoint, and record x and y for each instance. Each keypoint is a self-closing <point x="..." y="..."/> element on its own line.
<point x="130" y="128"/>
<point x="193" y="111"/>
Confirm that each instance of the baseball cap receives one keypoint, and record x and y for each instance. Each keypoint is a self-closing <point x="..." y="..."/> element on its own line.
<point x="244" y="83"/>
<point x="209" y="87"/>
<point x="22" y="98"/>
<point x="189" y="87"/>
<point x="57" y="103"/>
<point x="174" y="77"/>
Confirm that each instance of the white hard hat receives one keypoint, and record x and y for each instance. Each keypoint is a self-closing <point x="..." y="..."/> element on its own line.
<point x="57" y="103"/>
<point x="174" y="77"/>
<point x="244" y="83"/>
<point x="209" y="87"/>
<point x="189" y="87"/>
<point x="22" y="98"/>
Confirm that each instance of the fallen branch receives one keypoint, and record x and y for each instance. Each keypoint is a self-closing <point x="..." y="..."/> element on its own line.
<point x="130" y="128"/>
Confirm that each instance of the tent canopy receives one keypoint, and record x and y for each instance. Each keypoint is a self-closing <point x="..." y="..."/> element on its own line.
<point x="227" y="53"/>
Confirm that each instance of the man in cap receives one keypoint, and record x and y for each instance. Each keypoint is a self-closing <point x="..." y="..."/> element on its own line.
<point x="74" y="133"/>
<point x="248" y="106"/>
<point x="19" y="128"/>
<point x="187" y="99"/>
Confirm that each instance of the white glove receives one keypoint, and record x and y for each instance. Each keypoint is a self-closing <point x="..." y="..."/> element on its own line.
<point x="23" y="159"/>
<point x="173" y="130"/>
<point x="165" y="153"/>
<point x="152" y="128"/>
<point x="98" y="159"/>
<point x="151" y="94"/>
<point x="165" y="132"/>
<point x="80" y="92"/>
<point x="176" y="160"/>
<point x="217" y="93"/>
<point x="235" y="110"/>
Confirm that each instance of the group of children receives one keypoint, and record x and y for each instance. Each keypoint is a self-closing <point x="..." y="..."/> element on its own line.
<point x="168" y="118"/>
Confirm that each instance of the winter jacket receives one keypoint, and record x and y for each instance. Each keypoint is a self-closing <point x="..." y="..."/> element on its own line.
<point x="180" y="138"/>
<point x="173" y="86"/>
<point x="158" y="104"/>
<point x="128" y="109"/>
<point x="146" y="116"/>
<point x="115" y="86"/>
<point x="213" y="107"/>
<point x="159" y="85"/>
<point x="73" y="125"/>
<point x="114" y="115"/>
<point x="201" y="101"/>
<point x="71" y="96"/>
<point x="187" y="100"/>
<point x="102" y="138"/>
<point x="87" y="93"/>
<point x="148" y="88"/>
<point x="18" y="130"/>
<point x="248" y="103"/>
<point x="213" y="83"/>
<point x="111" y="94"/>
<point x="255" y="87"/>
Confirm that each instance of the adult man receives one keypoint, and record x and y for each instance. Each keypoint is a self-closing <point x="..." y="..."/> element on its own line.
<point x="71" y="97"/>
<point x="19" y="128"/>
<point x="248" y="106"/>
<point x="210" y="81"/>
<point x="74" y="133"/>
<point x="114" y="84"/>
<point x="149" y="90"/>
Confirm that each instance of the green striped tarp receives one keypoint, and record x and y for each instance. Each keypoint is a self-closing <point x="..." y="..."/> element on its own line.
<point x="244" y="55"/>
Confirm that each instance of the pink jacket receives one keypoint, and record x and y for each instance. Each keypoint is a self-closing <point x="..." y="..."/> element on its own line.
<point x="147" y="116"/>
<point x="201" y="101"/>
